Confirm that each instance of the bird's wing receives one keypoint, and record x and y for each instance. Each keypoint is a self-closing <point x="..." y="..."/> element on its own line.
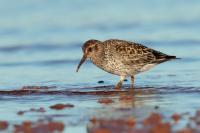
<point x="131" y="53"/>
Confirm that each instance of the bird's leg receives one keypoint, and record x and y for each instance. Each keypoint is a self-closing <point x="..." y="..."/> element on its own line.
<point x="132" y="82"/>
<point x="119" y="84"/>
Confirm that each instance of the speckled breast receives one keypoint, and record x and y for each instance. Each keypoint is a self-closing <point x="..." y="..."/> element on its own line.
<point x="112" y="64"/>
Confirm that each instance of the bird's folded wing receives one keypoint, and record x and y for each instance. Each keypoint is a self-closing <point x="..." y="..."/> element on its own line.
<point x="130" y="53"/>
<point x="135" y="54"/>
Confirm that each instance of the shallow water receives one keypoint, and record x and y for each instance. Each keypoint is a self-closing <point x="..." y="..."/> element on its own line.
<point x="40" y="45"/>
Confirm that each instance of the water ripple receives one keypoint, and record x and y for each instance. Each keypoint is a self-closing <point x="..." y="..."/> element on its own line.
<point x="103" y="90"/>
<point x="39" y="63"/>
<point x="39" y="47"/>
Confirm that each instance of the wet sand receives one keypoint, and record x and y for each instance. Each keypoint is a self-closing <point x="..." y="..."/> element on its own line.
<point x="100" y="109"/>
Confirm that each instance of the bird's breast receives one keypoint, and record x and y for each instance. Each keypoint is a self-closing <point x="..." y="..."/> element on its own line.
<point x="110" y="64"/>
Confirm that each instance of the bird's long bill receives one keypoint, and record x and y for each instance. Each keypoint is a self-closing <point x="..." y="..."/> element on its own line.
<point x="81" y="62"/>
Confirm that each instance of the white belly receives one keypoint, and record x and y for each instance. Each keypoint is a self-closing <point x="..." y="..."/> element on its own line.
<point x="147" y="67"/>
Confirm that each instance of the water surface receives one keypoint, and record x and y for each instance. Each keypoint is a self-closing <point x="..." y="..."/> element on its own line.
<point x="40" y="45"/>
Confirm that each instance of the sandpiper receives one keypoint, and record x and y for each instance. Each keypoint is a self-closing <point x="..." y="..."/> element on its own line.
<point x="123" y="58"/>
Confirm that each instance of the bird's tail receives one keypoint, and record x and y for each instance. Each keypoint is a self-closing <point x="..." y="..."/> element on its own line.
<point x="169" y="57"/>
<point x="166" y="58"/>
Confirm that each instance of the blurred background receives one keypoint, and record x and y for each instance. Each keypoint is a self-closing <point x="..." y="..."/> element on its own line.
<point x="40" y="45"/>
<point x="40" y="40"/>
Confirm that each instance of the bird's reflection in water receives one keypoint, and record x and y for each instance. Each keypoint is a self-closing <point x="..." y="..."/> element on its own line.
<point x="135" y="97"/>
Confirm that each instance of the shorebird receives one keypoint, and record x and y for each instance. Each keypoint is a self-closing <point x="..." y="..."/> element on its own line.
<point x="123" y="58"/>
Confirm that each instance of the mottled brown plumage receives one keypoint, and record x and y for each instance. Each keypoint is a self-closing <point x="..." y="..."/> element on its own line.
<point x="123" y="58"/>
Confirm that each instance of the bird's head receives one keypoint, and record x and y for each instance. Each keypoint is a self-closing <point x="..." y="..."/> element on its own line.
<point x="90" y="49"/>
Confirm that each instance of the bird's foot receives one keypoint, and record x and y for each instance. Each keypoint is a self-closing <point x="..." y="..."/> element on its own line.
<point x="132" y="87"/>
<point x="132" y="90"/>
<point x="118" y="86"/>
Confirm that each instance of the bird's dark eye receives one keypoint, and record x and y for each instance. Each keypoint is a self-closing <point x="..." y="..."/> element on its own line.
<point x="90" y="49"/>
